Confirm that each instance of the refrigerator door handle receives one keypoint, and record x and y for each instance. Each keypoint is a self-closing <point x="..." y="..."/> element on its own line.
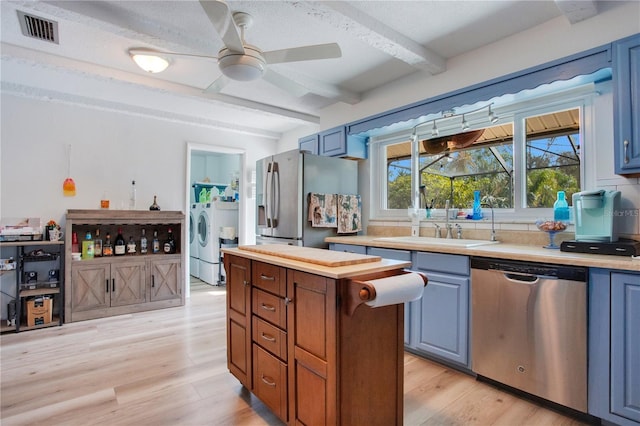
<point x="276" y="193"/>
<point x="267" y="194"/>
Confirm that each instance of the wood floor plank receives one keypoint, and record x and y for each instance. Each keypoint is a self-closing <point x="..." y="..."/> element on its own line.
<point x="168" y="367"/>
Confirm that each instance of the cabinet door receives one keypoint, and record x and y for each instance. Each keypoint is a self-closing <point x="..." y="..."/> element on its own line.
<point x="90" y="287"/>
<point x="309" y="143"/>
<point x="441" y="317"/>
<point x="128" y="285"/>
<point x="312" y="353"/>
<point x="626" y="111"/>
<point x="165" y="279"/>
<point x="333" y="142"/>
<point x="625" y="345"/>
<point x="239" y="317"/>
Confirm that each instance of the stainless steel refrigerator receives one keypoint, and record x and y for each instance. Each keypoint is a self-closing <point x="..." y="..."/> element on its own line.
<point x="283" y="183"/>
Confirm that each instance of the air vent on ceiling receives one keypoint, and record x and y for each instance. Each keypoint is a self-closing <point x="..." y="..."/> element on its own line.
<point x="40" y="28"/>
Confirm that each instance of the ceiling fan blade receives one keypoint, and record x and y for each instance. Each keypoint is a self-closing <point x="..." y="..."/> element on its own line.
<point x="305" y="53"/>
<point x="285" y="83"/>
<point x="217" y="85"/>
<point x="220" y="16"/>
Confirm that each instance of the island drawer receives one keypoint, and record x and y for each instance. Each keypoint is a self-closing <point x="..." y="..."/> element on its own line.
<point x="270" y="308"/>
<point x="270" y="338"/>
<point x="270" y="278"/>
<point x="270" y="381"/>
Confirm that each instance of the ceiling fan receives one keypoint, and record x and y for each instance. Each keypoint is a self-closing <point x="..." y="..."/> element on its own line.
<point x="240" y="61"/>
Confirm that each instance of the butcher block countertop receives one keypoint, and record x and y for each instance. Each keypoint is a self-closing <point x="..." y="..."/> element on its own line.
<point x="317" y="261"/>
<point x="503" y="251"/>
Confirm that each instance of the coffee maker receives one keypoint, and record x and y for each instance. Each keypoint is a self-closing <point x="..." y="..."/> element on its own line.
<point x="594" y="213"/>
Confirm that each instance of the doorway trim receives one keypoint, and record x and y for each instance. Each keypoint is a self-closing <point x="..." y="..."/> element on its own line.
<point x="242" y="208"/>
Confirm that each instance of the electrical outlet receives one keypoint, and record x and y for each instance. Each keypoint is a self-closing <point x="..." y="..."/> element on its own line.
<point x="415" y="231"/>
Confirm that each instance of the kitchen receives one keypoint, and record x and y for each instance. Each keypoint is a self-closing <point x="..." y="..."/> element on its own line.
<point x="133" y="136"/>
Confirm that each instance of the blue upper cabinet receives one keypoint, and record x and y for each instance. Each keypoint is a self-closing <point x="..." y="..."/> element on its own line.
<point x="335" y="143"/>
<point x="626" y="109"/>
<point x="309" y="143"/>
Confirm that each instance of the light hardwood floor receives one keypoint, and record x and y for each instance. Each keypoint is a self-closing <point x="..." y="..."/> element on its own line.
<point x="168" y="367"/>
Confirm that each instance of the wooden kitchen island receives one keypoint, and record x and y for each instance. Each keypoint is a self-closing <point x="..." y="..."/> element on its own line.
<point x="300" y="338"/>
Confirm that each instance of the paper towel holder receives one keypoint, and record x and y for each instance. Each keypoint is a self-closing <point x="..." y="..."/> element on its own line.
<point x="359" y="292"/>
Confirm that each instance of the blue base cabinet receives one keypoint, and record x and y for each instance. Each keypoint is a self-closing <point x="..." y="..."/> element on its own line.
<point x="440" y="321"/>
<point x="614" y="346"/>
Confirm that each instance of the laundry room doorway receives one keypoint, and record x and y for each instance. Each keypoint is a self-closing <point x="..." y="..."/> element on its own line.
<point x="214" y="205"/>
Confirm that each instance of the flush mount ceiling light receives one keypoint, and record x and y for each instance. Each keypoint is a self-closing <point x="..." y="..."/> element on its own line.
<point x="148" y="61"/>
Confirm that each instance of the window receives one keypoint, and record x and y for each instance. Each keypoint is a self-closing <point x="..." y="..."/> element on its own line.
<point x="517" y="164"/>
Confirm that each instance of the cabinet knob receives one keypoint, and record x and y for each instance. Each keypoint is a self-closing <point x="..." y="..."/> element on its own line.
<point x="626" y="151"/>
<point x="287" y="300"/>
<point x="245" y="282"/>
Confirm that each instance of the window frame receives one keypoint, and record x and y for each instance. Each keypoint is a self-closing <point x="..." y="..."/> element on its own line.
<point x="580" y="97"/>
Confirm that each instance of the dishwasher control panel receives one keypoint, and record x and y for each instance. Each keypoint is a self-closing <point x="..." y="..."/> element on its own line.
<point x="572" y="273"/>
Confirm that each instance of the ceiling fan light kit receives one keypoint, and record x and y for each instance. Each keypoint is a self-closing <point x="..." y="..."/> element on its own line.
<point x="242" y="67"/>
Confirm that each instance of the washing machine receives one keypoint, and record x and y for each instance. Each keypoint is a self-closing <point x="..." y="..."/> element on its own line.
<point x="194" y="246"/>
<point x="213" y="215"/>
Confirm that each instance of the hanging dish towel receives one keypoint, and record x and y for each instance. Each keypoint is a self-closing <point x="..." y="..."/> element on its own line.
<point x="349" y="214"/>
<point x="322" y="210"/>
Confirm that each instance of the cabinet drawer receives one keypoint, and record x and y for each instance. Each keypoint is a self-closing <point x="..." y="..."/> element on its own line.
<point x="270" y="337"/>
<point x="270" y="278"/>
<point x="448" y="263"/>
<point x="270" y="308"/>
<point x="270" y="381"/>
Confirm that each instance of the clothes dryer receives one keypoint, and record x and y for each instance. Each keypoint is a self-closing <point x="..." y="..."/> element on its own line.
<point x="211" y="218"/>
<point x="194" y="246"/>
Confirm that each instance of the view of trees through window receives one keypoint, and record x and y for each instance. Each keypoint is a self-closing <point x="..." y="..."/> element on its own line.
<point x="452" y="170"/>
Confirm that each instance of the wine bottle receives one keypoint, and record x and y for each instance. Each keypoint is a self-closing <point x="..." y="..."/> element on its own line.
<point x="75" y="248"/>
<point x="97" y="244"/>
<point x="120" y="248"/>
<point x="143" y="242"/>
<point x="155" y="205"/>
<point x="170" y="243"/>
<point x="131" y="246"/>
<point x="156" y="242"/>
<point x="107" y="248"/>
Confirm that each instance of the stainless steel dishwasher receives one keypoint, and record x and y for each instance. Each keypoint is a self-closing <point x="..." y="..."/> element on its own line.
<point x="529" y="328"/>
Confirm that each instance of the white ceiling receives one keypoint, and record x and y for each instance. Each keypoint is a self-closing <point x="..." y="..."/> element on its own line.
<point x="381" y="41"/>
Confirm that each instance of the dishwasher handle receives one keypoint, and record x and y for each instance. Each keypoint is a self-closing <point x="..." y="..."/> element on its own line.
<point x="520" y="277"/>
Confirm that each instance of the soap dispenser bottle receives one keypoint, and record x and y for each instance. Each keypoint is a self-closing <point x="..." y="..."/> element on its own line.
<point x="561" y="208"/>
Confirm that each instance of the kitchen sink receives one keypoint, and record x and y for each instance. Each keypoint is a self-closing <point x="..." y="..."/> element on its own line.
<point x="466" y="243"/>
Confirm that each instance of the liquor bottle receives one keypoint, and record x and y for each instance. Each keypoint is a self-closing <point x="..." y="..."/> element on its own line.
<point x="97" y="244"/>
<point x="120" y="247"/>
<point x="169" y="245"/>
<point x="143" y="242"/>
<point x="156" y="242"/>
<point x="131" y="246"/>
<point x="87" y="247"/>
<point x="107" y="248"/>
<point x="155" y="205"/>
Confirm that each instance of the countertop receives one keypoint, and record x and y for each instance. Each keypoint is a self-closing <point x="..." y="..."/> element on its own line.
<point x="335" y="272"/>
<point x="503" y="251"/>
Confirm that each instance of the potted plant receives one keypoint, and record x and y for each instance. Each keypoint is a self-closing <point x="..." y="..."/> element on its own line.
<point x="53" y="231"/>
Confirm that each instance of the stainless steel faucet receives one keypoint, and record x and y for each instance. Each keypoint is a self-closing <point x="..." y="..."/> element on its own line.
<point x="493" y="227"/>
<point x="436" y="230"/>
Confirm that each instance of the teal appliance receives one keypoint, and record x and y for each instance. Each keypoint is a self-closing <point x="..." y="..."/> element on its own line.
<point x="596" y="215"/>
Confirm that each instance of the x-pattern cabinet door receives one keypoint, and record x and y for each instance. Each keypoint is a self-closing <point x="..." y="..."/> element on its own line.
<point x="128" y="283"/>
<point x="91" y="287"/>
<point x="165" y="279"/>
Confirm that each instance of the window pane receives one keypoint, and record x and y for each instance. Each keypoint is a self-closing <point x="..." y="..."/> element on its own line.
<point x="553" y="157"/>
<point x="398" y="160"/>
<point x="452" y="167"/>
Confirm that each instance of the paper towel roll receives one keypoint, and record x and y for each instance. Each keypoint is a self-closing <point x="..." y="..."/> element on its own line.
<point x="397" y="289"/>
